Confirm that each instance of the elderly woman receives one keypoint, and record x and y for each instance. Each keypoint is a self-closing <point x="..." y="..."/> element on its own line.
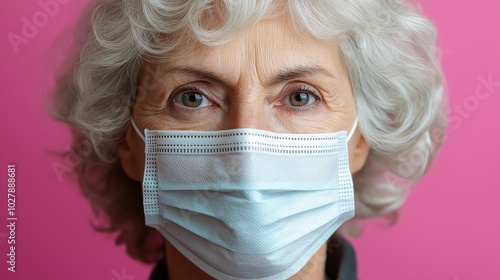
<point x="232" y="139"/>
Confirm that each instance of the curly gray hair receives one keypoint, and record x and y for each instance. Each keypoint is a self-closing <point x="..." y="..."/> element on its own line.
<point x="388" y="45"/>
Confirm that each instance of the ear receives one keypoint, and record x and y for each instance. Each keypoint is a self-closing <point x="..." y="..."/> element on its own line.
<point x="358" y="151"/>
<point x="129" y="154"/>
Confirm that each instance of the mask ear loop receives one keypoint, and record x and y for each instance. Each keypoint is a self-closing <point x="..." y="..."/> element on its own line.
<point x="352" y="129"/>
<point x="137" y="130"/>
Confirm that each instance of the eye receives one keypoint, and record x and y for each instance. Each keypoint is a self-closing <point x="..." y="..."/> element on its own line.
<point x="302" y="97"/>
<point x="299" y="98"/>
<point x="192" y="99"/>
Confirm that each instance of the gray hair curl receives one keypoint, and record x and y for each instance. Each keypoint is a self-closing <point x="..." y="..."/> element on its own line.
<point x="388" y="45"/>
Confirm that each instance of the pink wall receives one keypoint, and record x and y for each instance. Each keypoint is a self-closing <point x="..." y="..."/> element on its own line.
<point x="448" y="230"/>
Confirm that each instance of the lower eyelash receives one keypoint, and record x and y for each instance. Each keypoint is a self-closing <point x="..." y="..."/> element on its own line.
<point x="306" y="108"/>
<point x="299" y="108"/>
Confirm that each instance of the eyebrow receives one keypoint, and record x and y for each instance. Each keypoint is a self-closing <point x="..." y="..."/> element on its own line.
<point x="281" y="76"/>
<point x="198" y="73"/>
<point x="298" y="72"/>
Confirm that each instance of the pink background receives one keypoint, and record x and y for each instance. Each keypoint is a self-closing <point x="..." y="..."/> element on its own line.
<point x="449" y="228"/>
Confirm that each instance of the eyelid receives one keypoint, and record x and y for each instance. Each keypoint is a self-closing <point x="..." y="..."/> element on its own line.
<point x="189" y="87"/>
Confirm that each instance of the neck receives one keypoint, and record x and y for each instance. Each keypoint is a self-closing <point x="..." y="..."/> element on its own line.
<point x="179" y="267"/>
<point x="315" y="267"/>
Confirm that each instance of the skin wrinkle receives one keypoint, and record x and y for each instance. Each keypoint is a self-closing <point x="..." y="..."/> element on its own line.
<point x="250" y="81"/>
<point x="244" y="94"/>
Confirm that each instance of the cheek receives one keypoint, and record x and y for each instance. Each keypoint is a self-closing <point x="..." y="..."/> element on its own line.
<point x="323" y="121"/>
<point x="140" y="159"/>
<point x="168" y="122"/>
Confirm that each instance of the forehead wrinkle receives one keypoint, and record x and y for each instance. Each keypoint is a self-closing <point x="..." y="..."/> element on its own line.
<point x="274" y="60"/>
<point x="265" y="54"/>
<point x="217" y="63"/>
<point x="268" y="41"/>
<point x="245" y="57"/>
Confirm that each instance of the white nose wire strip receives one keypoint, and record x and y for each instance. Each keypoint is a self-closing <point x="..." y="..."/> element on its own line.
<point x="143" y="139"/>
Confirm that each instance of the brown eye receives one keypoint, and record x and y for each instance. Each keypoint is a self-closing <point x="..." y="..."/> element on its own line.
<point x="300" y="98"/>
<point x="192" y="99"/>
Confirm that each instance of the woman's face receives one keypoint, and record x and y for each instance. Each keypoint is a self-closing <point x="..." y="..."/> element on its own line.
<point x="267" y="77"/>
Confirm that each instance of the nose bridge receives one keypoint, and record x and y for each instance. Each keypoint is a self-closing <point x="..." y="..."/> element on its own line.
<point x="248" y="110"/>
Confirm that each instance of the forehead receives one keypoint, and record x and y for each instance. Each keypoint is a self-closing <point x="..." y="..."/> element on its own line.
<point x="261" y="50"/>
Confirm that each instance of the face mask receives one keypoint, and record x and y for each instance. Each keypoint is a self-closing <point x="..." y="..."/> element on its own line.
<point x="247" y="203"/>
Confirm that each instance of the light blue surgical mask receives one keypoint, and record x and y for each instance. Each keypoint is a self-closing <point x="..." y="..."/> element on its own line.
<point x="247" y="203"/>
